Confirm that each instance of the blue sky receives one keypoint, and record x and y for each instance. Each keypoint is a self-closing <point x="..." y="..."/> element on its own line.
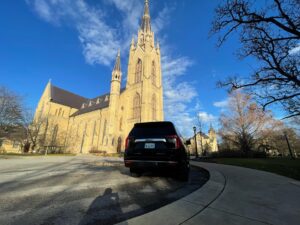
<point x="74" y="42"/>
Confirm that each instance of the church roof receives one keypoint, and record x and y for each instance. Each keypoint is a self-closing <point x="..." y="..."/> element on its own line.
<point x="91" y="105"/>
<point x="66" y="98"/>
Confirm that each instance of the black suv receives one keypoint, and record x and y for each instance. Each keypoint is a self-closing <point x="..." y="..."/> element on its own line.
<point x="156" y="145"/>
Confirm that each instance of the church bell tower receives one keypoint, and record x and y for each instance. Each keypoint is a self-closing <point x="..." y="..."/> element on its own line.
<point x="144" y="74"/>
<point x="114" y="99"/>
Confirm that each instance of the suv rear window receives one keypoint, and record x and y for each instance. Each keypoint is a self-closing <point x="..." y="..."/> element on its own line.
<point x="156" y="129"/>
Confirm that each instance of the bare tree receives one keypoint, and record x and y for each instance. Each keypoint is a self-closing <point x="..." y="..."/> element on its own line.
<point x="10" y="111"/>
<point x="270" y="34"/>
<point x="276" y="140"/>
<point x="243" y="122"/>
<point x="32" y="128"/>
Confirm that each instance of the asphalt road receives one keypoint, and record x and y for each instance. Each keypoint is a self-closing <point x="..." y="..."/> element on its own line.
<point x="82" y="190"/>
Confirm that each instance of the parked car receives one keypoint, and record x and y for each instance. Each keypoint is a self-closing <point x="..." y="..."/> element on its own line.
<point x="156" y="145"/>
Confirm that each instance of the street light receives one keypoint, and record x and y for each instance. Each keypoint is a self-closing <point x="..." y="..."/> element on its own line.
<point x="194" y="128"/>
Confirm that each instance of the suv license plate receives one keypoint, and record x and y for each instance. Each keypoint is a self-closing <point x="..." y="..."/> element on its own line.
<point x="149" y="145"/>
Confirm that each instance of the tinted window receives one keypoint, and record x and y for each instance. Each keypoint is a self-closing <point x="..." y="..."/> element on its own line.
<point x="152" y="129"/>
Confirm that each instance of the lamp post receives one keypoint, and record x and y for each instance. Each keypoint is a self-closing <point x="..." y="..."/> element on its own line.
<point x="194" y="128"/>
<point x="202" y="150"/>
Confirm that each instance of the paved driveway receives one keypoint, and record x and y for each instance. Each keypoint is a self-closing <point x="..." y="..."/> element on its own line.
<point x="82" y="190"/>
<point x="234" y="196"/>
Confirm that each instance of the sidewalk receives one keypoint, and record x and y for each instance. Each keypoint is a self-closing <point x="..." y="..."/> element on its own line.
<point x="233" y="195"/>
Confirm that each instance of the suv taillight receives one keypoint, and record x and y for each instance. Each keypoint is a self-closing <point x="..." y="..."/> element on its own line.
<point x="127" y="143"/>
<point x="174" y="139"/>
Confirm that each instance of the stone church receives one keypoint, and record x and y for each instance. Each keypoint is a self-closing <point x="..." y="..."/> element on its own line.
<point x="205" y="143"/>
<point x="81" y="125"/>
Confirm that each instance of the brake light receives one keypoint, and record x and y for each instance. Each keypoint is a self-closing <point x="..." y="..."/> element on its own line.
<point x="175" y="140"/>
<point x="127" y="142"/>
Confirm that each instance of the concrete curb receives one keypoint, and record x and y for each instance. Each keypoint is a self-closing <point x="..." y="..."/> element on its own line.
<point x="186" y="208"/>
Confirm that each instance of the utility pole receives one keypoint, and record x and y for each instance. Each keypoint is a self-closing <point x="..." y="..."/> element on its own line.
<point x="288" y="144"/>
<point x="195" y="135"/>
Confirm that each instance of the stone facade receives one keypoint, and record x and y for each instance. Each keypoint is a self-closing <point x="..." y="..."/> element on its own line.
<point x="205" y="143"/>
<point x="82" y="125"/>
<point x="10" y="146"/>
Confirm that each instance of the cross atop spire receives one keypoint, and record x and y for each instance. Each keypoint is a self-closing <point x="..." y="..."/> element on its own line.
<point x="146" y="24"/>
<point x="118" y="62"/>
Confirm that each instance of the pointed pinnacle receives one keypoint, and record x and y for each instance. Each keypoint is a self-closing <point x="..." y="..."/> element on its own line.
<point x="117" y="66"/>
<point x="146" y="24"/>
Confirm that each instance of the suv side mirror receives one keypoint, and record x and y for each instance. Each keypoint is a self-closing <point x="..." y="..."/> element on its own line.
<point x="187" y="142"/>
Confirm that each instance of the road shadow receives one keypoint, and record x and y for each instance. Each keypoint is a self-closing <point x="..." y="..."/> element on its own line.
<point x="104" y="210"/>
<point x="155" y="191"/>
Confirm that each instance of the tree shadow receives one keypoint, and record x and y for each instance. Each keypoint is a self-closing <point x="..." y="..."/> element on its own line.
<point x="105" y="209"/>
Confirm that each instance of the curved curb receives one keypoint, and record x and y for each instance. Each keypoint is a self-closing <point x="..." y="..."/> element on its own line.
<point x="187" y="207"/>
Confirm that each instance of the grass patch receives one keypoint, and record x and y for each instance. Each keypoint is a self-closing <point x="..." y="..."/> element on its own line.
<point x="285" y="167"/>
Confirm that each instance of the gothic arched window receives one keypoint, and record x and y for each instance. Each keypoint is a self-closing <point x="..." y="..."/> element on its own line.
<point x="153" y="73"/>
<point x="54" y="135"/>
<point x="104" y="131"/>
<point x="138" y="71"/>
<point x="119" y="145"/>
<point x="153" y="103"/>
<point x="94" y="132"/>
<point x="121" y="124"/>
<point x="137" y="106"/>
<point x="113" y="142"/>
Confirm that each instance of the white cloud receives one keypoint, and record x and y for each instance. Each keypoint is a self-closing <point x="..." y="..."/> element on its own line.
<point x="162" y="19"/>
<point x="178" y="95"/>
<point x="131" y="12"/>
<point x="100" y="42"/>
<point x="221" y="104"/>
<point x="295" y="50"/>
<point x="44" y="10"/>
<point x="206" y="117"/>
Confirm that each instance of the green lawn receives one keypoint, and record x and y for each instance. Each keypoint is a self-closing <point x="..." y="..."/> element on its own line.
<point x="284" y="167"/>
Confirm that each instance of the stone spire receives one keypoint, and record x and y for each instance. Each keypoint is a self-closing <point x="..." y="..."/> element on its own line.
<point x="49" y="88"/>
<point x="211" y="129"/>
<point x="118" y="62"/>
<point x="132" y="45"/>
<point x="146" y="24"/>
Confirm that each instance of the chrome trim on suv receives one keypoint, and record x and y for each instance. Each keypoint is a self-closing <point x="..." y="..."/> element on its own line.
<point x="150" y="140"/>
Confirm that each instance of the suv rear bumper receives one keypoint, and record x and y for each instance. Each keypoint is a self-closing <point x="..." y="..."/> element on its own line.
<point x="149" y="163"/>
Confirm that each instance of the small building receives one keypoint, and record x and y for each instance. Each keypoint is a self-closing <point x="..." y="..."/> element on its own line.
<point x="206" y="143"/>
<point x="10" y="146"/>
